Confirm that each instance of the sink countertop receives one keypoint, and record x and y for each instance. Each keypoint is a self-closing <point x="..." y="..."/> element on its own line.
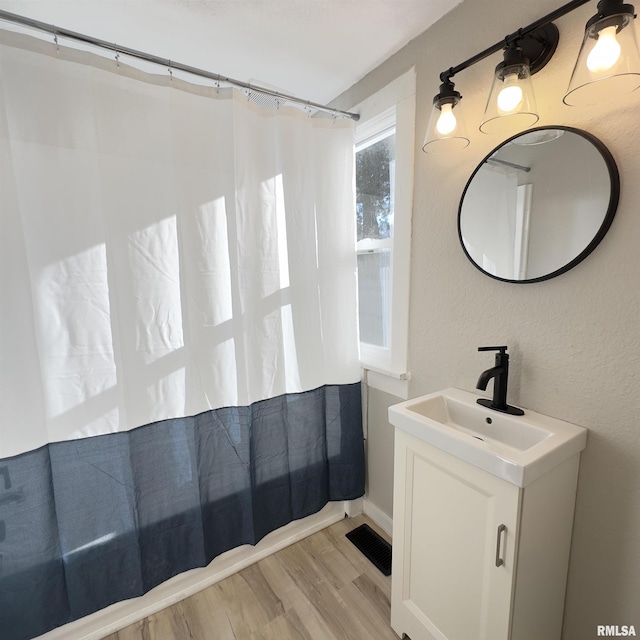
<point x="518" y="449"/>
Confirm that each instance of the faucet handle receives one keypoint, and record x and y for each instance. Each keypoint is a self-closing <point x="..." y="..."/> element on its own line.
<point x="502" y="350"/>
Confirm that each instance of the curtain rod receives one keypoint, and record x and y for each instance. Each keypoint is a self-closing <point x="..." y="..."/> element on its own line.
<point x="506" y="163"/>
<point x="170" y="64"/>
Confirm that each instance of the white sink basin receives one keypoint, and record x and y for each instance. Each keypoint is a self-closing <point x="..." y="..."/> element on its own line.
<point x="518" y="449"/>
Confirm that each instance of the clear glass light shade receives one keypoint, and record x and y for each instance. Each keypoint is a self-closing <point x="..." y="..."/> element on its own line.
<point x="608" y="63"/>
<point x="446" y="131"/>
<point x="511" y="105"/>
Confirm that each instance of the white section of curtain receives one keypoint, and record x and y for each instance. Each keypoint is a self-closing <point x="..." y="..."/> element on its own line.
<point x="164" y="249"/>
<point x="489" y="224"/>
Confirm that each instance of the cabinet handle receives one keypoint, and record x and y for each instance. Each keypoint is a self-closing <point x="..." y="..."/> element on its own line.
<point x="501" y="529"/>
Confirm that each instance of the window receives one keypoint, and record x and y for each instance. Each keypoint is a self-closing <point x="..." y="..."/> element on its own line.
<point x="375" y="173"/>
<point x="384" y="185"/>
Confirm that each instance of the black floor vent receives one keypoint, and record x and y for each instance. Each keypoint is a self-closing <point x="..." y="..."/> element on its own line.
<point x="375" y="548"/>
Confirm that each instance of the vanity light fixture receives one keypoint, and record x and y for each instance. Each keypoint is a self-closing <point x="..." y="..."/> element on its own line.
<point x="511" y="100"/>
<point x="446" y="125"/>
<point x="608" y="63"/>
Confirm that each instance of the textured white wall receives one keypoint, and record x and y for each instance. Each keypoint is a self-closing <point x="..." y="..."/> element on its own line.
<point x="574" y="340"/>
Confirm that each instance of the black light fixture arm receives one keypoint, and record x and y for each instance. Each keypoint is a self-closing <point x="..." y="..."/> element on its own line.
<point x="512" y="39"/>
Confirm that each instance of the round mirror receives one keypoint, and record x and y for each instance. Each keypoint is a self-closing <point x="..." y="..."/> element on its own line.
<point x="538" y="204"/>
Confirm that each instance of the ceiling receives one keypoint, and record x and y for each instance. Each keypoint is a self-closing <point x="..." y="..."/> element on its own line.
<point x="313" y="49"/>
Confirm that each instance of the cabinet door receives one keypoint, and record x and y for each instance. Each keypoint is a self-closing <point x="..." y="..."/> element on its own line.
<point x="453" y="524"/>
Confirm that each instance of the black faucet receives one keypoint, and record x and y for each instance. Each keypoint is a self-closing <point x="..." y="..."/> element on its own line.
<point x="500" y="375"/>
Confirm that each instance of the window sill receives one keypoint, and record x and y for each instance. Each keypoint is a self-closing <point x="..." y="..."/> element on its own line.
<point x="386" y="372"/>
<point x="391" y="382"/>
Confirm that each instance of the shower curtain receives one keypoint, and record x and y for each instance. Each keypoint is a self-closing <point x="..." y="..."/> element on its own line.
<point x="490" y="238"/>
<point x="179" y="366"/>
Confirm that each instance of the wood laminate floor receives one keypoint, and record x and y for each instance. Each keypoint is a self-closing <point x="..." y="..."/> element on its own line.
<point x="321" y="588"/>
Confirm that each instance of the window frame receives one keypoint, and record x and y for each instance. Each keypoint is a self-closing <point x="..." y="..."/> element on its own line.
<point x="394" y="105"/>
<point x="378" y="129"/>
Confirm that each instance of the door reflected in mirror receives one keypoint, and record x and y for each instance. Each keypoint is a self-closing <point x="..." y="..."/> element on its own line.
<point x="538" y="204"/>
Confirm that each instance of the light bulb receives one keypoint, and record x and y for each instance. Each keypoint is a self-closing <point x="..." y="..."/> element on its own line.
<point x="510" y="95"/>
<point x="606" y="52"/>
<point x="447" y="120"/>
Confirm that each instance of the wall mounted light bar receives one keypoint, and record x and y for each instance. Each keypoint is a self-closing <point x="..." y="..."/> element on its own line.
<point x="608" y="64"/>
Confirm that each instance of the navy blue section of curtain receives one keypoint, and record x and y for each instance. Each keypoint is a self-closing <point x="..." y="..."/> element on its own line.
<point x="90" y="522"/>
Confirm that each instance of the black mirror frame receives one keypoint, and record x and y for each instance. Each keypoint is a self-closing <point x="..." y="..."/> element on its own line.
<point x="614" y="178"/>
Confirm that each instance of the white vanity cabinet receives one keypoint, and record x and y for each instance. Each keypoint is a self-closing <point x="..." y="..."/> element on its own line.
<point x="476" y="557"/>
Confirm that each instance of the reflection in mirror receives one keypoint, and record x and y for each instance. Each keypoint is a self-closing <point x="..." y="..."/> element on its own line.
<point x="538" y="204"/>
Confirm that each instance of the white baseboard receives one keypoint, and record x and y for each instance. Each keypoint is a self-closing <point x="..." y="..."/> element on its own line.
<point x="376" y="514"/>
<point x="353" y="508"/>
<point x="122" y="614"/>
